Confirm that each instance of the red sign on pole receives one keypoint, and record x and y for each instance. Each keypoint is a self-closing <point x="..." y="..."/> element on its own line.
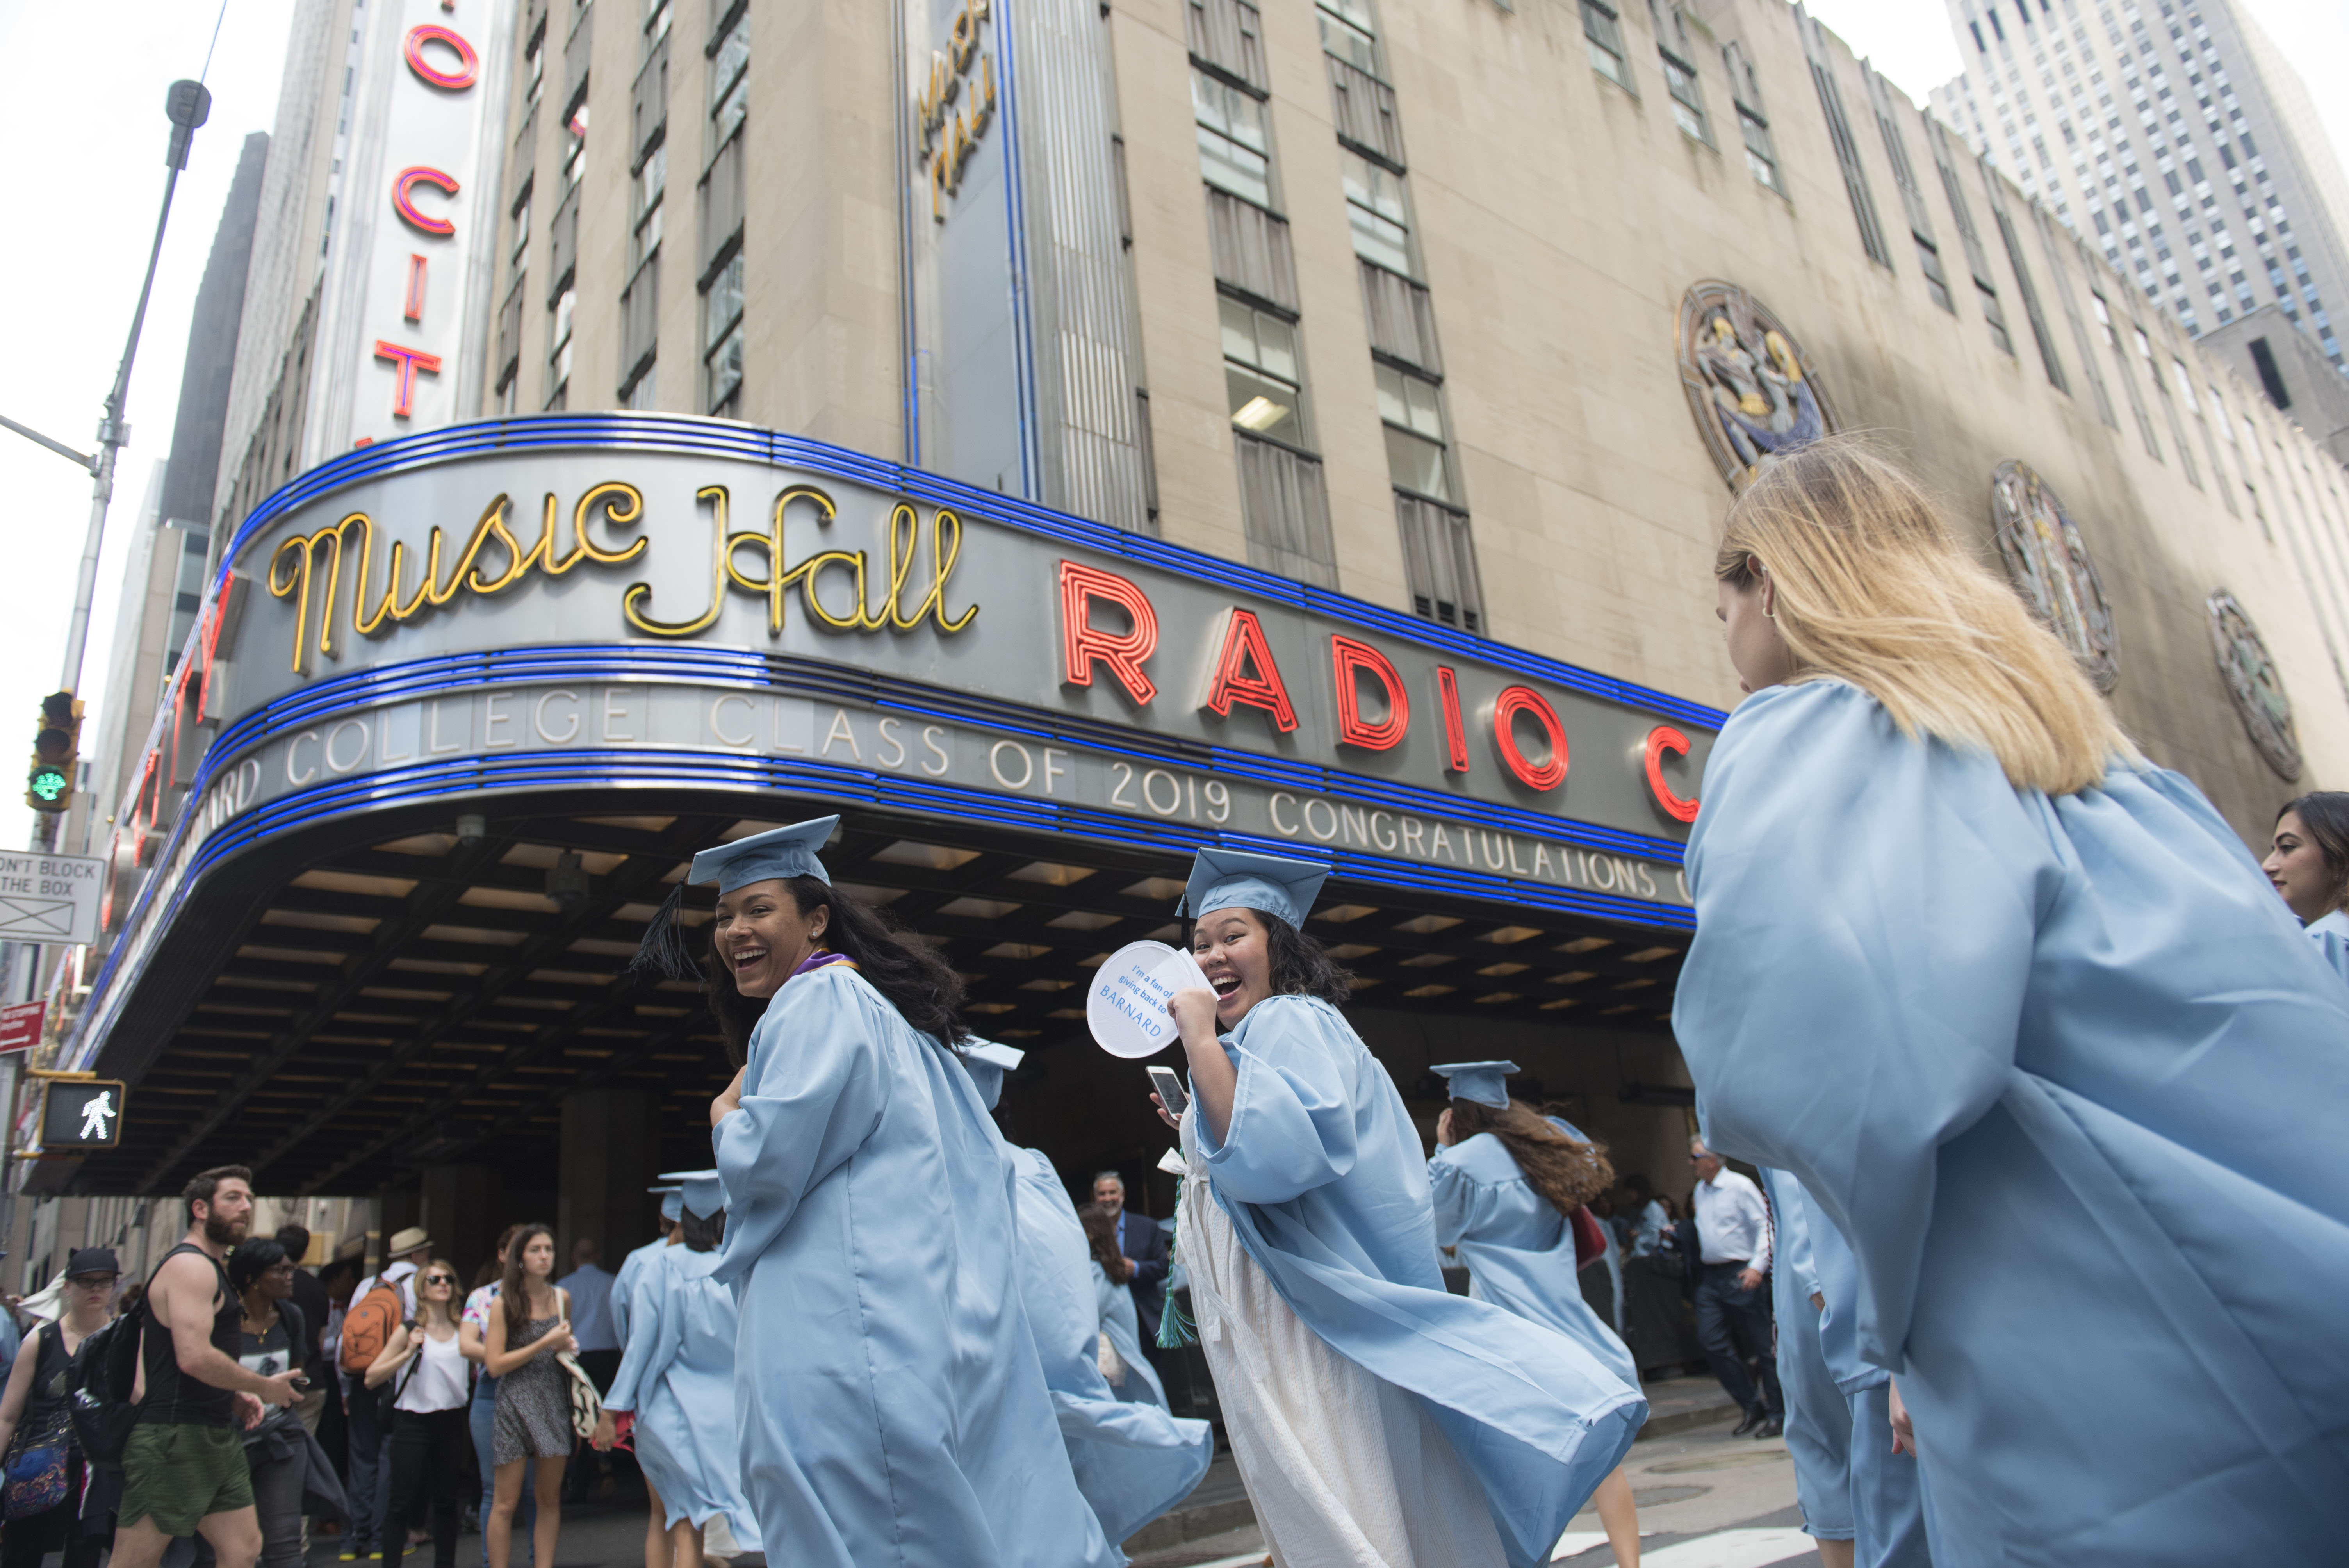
<point x="20" y="1026"/>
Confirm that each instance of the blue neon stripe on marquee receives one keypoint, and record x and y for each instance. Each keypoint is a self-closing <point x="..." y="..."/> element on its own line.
<point x="718" y="437"/>
<point x="324" y="701"/>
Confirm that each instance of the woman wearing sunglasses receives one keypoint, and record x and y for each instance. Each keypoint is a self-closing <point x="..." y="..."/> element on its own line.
<point x="33" y="1424"/>
<point x="270" y="1339"/>
<point x="424" y="1361"/>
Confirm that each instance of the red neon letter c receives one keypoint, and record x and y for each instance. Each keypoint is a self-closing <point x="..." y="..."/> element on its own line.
<point x="403" y="200"/>
<point x="1661" y="739"/>
<point x="1520" y="699"/>
<point x="468" y="65"/>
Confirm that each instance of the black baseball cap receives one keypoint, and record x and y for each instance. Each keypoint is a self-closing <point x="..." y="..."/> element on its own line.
<point x="93" y="1260"/>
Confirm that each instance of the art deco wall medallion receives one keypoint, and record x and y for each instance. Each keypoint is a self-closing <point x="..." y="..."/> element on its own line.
<point x="2251" y="678"/>
<point x="2051" y="567"/>
<point x="1749" y="383"/>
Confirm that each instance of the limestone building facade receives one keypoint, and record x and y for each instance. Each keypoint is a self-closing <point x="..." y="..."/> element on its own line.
<point x="1399" y="282"/>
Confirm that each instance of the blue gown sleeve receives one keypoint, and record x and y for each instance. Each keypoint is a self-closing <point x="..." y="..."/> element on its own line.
<point x="1462" y="1202"/>
<point x="1867" y="905"/>
<point x="804" y="1110"/>
<point x="650" y="1343"/>
<point x="1292" y="1126"/>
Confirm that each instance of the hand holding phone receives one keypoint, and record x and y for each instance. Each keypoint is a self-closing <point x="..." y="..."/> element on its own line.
<point x="1170" y="1091"/>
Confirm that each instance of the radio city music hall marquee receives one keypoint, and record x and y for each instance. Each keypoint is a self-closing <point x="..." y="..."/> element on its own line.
<point x="934" y="635"/>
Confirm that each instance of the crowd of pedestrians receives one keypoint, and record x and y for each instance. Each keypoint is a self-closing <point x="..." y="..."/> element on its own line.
<point x="261" y="1406"/>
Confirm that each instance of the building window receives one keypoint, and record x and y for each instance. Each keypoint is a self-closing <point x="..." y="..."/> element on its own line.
<point x="1679" y="76"/>
<point x="1761" y="157"/>
<point x="1413" y="416"/>
<point x="639" y="395"/>
<point x="1260" y="373"/>
<point x="1235" y="152"/>
<point x="1688" y="99"/>
<point x="1348" y="32"/>
<point x="730" y="84"/>
<point x="520" y="235"/>
<point x="1847" y="150"/>
<point x="534" y="69"/>
<point x="558" y="351"/>
<point x="1993" y="318"/>
<point x="1602" y="36"/>
<point x="574" y="153"/>
<point x="1374" y="206"/>
<point x="1439" y="562"/>
<point x="721" y="334"/>
<point x="651" y="183"/>
<point x="1937" y="283"/>
<point x="658" y="15"/>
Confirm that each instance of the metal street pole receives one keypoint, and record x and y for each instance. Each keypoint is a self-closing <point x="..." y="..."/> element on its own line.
<point x="188" y="105"/>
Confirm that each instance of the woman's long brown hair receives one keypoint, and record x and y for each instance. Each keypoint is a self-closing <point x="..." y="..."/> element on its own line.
<point x="1566" y="1172"/>
<point x="1101" y="1236"/>
<point x="513" y="1291"/>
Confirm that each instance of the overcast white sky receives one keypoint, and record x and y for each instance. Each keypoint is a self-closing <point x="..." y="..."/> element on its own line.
<point x="91" y="123"/>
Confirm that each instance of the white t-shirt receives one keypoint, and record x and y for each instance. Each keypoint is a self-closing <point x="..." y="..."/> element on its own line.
<point x="437" y="1380"/>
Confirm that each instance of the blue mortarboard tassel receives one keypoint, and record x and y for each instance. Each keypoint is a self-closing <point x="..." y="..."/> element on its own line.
<point x="1484" y="1083"/>
<point x="1242" y="879"/>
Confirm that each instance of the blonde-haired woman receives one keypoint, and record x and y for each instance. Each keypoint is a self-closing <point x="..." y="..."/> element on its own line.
<point x="427" y="1368"/>
<point x="2021" y="1014"/>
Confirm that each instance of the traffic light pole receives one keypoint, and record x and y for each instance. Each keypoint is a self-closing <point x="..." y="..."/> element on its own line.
<point x="188" y="105"/>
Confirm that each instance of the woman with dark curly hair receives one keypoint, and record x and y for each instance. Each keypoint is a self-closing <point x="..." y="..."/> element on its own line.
<point x="892" y="1405"/>
<point x="1510" y="1185"/>
<point x="2308" y="862"/>
<point x="1375" y="1418"/>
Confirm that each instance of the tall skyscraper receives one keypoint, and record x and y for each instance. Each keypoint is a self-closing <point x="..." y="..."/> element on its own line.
<point x="2175" y="132"/>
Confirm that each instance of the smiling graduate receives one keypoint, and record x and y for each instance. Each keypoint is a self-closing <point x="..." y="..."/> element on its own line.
<point x="1375" y="1418"/>
<point x="891" y="1406"/>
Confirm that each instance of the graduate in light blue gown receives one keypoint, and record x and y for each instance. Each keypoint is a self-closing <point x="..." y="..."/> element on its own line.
<point x="892" y="1409"/>
<point x="2039" y="1041"/>
<point x="1374" y="1415"/>
<point x="1114" y="1315"/>
<point x="677" y="1376"/>
<point x="632" y="1267"/>
<point x="2308" y="862"/>
<point x="1818" y="1421"/>
<point x="1506" y="1182"/>
<point x="1132" y="1462"/>
<point x="1888" y="1507"/>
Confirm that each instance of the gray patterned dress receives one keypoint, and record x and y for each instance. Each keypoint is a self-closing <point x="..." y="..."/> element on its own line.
<point x="534" y="1408"/>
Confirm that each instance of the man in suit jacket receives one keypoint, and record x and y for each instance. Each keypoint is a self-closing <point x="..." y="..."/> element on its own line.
<point x="1142" y="1242"/>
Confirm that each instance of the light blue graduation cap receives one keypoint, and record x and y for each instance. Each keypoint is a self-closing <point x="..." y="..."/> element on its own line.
<point x="777" y="853"/>
<point x="762" y="857"/>
<point x="986" y="1062"/>
<point x="705" y="1195"/>
<point x="1242" y="879"/>
<point x="1485" y="1083"/>
<point x="672" y="1202"/>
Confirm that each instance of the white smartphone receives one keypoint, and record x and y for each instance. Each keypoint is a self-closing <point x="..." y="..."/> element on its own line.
<point x="1170" y="1091"/>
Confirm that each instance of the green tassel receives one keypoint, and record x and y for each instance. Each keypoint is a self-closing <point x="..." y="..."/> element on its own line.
<point x="1175" y="1326"/>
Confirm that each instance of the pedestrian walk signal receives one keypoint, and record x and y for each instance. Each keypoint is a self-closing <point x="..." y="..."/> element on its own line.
<point x="50" y="786"/>
<point x="81" y="1113"/>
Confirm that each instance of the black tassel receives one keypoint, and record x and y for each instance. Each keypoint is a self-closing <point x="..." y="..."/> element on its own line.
<point x="664" y="950"/>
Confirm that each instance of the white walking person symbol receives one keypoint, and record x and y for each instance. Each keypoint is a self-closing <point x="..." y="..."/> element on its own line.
<point x="94" y="1114"/>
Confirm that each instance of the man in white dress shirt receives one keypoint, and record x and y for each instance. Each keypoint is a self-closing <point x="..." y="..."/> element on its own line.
<point x="1733" y="1227"/>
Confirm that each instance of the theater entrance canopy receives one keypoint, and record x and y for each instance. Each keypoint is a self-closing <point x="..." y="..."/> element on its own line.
<point x="460" y="707"/>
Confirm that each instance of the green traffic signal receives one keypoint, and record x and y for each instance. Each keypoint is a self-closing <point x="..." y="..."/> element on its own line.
<point x="49" y="787"/>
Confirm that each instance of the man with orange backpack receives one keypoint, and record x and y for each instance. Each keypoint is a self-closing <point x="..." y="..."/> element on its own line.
<point x="381" y="1304"/>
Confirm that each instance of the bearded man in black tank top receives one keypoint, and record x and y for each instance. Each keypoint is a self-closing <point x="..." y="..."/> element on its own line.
<point x="184" y="1470"/>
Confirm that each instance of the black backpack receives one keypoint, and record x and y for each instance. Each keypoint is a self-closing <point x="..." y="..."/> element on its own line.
<point x="101" y="1378"/>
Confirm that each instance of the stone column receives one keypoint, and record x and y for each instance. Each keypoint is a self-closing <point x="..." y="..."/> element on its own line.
<point x="610" y="1148"/>
<point x="460" y="1210"/>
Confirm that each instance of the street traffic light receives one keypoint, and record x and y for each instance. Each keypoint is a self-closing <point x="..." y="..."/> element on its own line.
<point x="50" y="787"/>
